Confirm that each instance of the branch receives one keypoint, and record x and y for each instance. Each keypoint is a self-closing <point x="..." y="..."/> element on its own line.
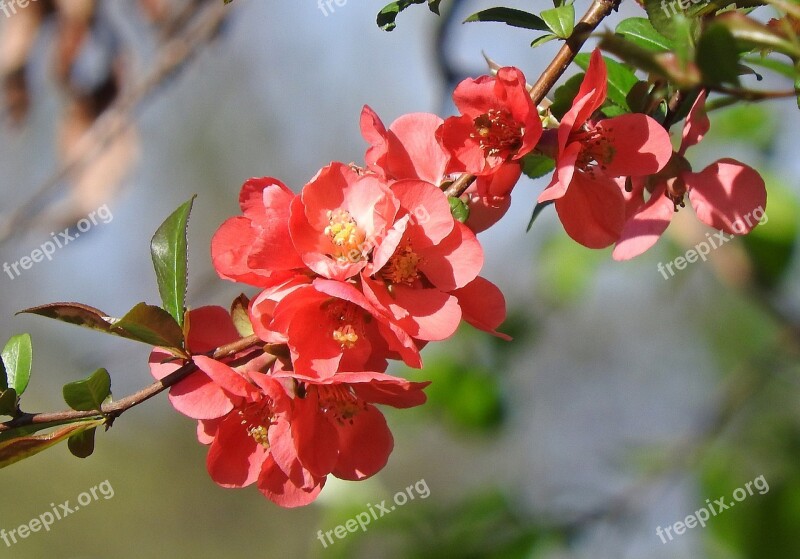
<point x="115" y="409"/>
<point x="597" y="12"/>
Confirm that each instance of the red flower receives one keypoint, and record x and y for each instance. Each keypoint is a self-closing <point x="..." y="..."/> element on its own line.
<point x="407" y="150"/>
<point x="431" y="256"/>
<point x="594" y="157"/>
<point x="252" y="443"/>
<point x="196" y="395"/>
<point x="256" y="248"/>
<point x="338" y="219"/>
<point x="498" y="124"/>
<point x="338" y="430"/>
<point x="726" y="195"/>
<point x="330" y="326"/>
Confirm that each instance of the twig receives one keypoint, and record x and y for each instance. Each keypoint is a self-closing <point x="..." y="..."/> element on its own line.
<point x="115" y="409"/>
<point x="599" y="10"/>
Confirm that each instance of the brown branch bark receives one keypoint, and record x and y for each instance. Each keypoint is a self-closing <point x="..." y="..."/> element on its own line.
<point x="115" y="409"/>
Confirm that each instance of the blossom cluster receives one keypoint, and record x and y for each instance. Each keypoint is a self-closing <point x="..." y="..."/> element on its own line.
<point x="367" y="264"/>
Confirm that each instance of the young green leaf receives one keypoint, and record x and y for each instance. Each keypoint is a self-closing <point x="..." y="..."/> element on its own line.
<point x="18" y="448"/>
<point x="510" y="16"/>
<point x="163" y="325"/>
<point x="90" y="393"/>
<point x="169" y="251"/>
<point x="621" y="79"/>
<point x="387" y="16"/>
<point x="151" y="325"/>
<point x="8" y="402"/>
<point x="565" y="94"/>
<point x="561" y="20"/>
<point x="459" y="209"/>
<point x="536" y="211"/>
<point x="240" y="316"/>
<point x="17" y="359"/>
<point x="539" y="41"/>
<point x="535" y="165"/>
<point x="717" y="56"/>
<point x="81" y="444"/>
<point x="640" y="31"/>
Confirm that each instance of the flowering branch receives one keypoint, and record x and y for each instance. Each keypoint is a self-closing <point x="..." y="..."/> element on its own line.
<point x="598" y="10"/>
<point x="115" y="409"/>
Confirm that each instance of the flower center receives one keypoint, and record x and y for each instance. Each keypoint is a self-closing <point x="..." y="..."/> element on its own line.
<point x="402" y="266"/>
<point x="346" y="324"/>
<point x="346" y="336"/>
<point x="256" y="419"/>
<point x="339" y="402"/>
<point x="597" y="151"/>
<point x="346" y="237"/>
<point x="676" y="189"/>
<point x="497" y="131"/>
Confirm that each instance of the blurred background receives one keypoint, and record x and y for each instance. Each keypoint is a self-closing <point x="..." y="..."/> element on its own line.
<point x="624" y="402"/>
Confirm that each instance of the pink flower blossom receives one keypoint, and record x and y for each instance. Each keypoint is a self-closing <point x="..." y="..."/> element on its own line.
<point x="595" y="156"/>
<point x="726" y="195"/>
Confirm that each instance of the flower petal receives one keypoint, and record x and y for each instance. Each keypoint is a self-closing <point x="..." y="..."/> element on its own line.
<point x="592" y="211"/>
<point x="365" y="444"/>
<point x="728" y="195"/>
<point x="640" y="145"/>
<point x="645" y="227"/>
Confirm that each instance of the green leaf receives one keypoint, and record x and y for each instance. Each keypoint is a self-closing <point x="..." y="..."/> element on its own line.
<point x="387" y="16"/>
<point x="565" y="94"/>
<point x="777" y="66"/>
<point x="621" y="79"/>
<point x="8" y="402"/>
<point x="751" y="34"/>
<point x="74" y="313"/>
<point x="539" y="41"/>
<point x="640" y="31"/>
<point x="561" y="20"/>
<point x="660" y="14"/>
<point x="537" y="209"/>
<point x="458" y="208"/>
<point x="151" y="325"/>
<point x="169" y="251"/>
<point x="535" y="165"/>
<point x="81" y="444"/>
<point x="18" y="448"/>
<point x="662" y="64"/>
<point x="717" y="56"/>
<point x="95" y="319"/>
<point x="510" y="16"/>
<point x="90" y="393"/>
<point x="17" y="359"/>
<point x="240" y="316"/>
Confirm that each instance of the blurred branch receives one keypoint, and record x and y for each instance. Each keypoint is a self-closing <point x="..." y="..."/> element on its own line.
<point x="195" y="33"/>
